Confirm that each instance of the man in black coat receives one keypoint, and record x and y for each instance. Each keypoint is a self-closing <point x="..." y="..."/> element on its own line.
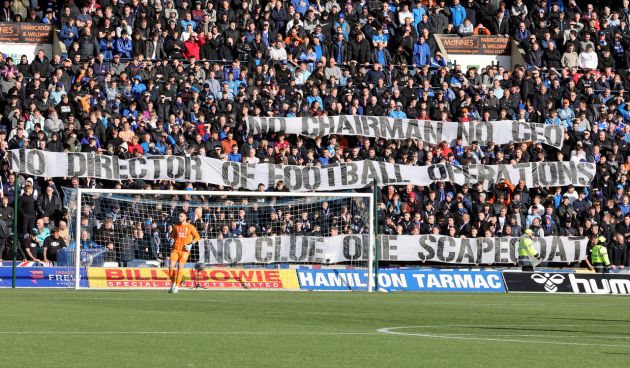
<point x="49" y="204"/>
<point x="88" y="45"/>
<point x="27" y="209"/>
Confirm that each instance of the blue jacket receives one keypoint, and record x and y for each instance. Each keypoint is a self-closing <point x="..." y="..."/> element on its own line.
<point x="397" y="115"/>
<point x="458" y="14"/>
<point x="417" y="15"/>
<point x="235" y="157"/>
<point x="124" y="48"/>
<point x="65" y="34"/>
<point x="421" y="53"/>
<point x="624" y="111"/>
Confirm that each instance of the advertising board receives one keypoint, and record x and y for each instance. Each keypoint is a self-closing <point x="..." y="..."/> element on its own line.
<point x="403" y="280"/>
<point x="213" y="278"/>
<point x="576" y="283"/>
<point x="17" y="39"/>
<point x="41" y="277"/>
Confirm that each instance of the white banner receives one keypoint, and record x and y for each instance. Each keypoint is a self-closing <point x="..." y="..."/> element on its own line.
<point x="343" y="176"/>
<point x="395" y="248"/>
<point x="431" y="132"/>
<point x="444" y="249"/>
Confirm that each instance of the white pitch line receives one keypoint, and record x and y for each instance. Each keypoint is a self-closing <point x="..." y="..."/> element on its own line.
<point x="296" y="333"/>
<point x="391" y="331"/>
<point x="538" y="335"/>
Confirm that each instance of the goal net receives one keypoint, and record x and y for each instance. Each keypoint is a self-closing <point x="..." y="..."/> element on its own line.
<point x="247" y="238"/>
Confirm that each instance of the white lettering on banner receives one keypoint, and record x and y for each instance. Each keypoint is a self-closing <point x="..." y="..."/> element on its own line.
<point x="404" y="248"/>
<point x="444" y="249"/>
<point x="341" y="176"/>
<point x="431" y="132"/>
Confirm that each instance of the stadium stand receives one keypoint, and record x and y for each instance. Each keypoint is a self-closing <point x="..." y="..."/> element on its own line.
<point x="146" y="77"/>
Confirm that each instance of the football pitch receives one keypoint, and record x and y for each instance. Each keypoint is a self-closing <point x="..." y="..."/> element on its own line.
<point x="64" y="328"/>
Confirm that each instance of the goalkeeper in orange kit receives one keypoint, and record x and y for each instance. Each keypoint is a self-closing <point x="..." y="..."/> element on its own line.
<point x="184" y="235"/>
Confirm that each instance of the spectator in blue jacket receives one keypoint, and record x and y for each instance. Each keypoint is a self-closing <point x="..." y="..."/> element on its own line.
<point x="138" y="87"/>
<point x="421" y="53"/>
<point x="623" y="110"/>
<point x="124" y="46"/>
<point x="107" y="46"/>
<point x="69" y="32"/>
<point x="345" y="28"/>
<point x="397" y="112"/>
<point x="437" y="60"/>
<point x="418" y="12"/>
<point x="234" y="155"/>
<point x="458" y="14"/>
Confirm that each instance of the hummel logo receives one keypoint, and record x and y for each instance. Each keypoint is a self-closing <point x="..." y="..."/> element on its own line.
<point x="550" y="281"/>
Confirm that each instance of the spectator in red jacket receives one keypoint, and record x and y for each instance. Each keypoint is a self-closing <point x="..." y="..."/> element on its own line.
<point x="193" y="45"/>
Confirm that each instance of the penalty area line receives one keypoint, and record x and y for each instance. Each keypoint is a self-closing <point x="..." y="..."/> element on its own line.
<point x="477" y="337"/>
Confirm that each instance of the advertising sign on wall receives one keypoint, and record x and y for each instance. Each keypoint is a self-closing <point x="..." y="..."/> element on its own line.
<point x="577" y="283"/>
<point x="478" y="51"/>
<point x="36" y="277"/>
<point x="476" y="45"/>
<point x="213" y="278"/>
<point x="403" y="280"/>
<point x="17" y="39"/>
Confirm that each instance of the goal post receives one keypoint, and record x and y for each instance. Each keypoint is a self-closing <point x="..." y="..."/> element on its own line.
<point x="239" y="230"/>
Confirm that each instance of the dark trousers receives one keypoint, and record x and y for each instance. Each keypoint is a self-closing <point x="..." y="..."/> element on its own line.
<point x="599" y="267"/>
<point x="525" y="263"/>
<point x="28" y="224"/>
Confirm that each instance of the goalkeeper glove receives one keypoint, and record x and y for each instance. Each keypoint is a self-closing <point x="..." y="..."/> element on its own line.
<point x="188" y="247"/>
<point x="171" y="241"/>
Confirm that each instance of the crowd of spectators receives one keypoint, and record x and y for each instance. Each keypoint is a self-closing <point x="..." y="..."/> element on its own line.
<point x="143" y="77"/>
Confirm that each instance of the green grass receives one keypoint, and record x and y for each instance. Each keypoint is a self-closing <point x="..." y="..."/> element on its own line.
<point x="62" y="328"/>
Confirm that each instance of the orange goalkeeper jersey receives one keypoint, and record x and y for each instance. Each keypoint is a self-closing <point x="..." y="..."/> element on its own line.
<point x="184" y="234"/>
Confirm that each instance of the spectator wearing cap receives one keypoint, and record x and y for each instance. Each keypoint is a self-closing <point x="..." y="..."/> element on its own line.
<point x="396" y="111"/>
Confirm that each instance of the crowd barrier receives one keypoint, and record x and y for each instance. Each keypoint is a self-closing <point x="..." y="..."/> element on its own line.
<point x="340" y="279"/>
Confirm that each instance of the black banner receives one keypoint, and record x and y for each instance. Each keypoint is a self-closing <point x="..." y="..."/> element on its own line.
<point x="565" y="282"/>
<point x="26" y="33"/>
<point x="476" y="45"/>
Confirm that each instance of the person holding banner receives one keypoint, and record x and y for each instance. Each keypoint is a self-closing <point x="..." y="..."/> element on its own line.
<point x="526" y="251"/>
